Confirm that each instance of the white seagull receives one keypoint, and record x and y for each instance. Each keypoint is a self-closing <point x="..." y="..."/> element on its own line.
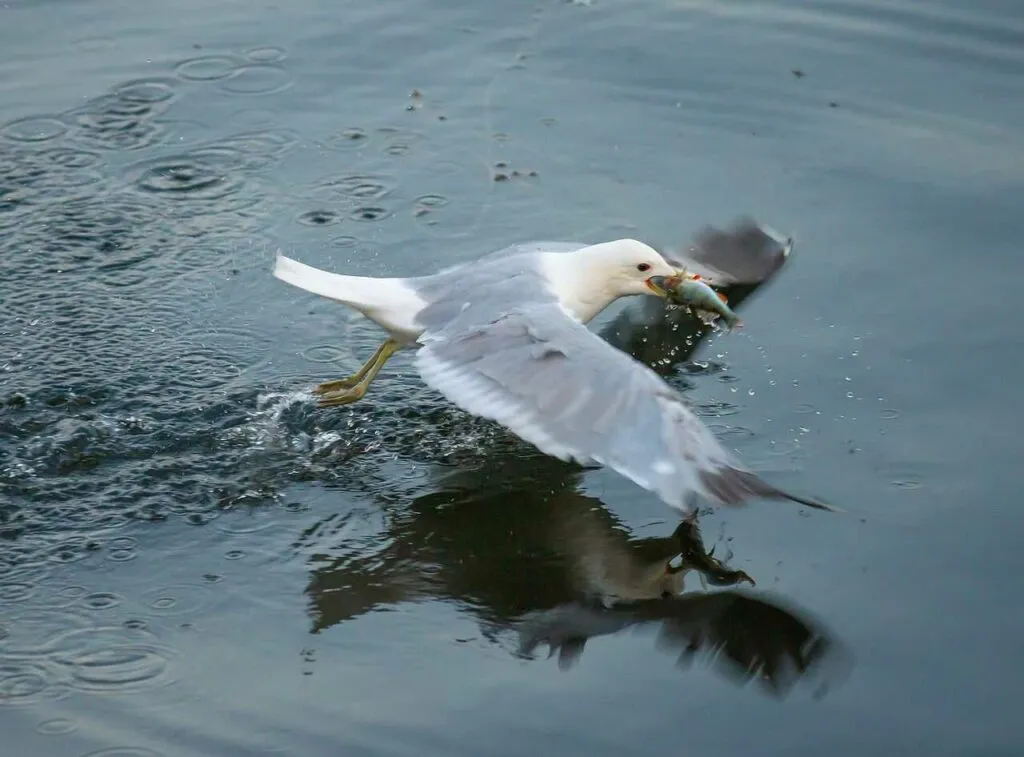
<point x="505" y="337"/>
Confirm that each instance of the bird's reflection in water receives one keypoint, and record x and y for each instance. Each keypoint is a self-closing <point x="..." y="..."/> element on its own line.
<point x="516" y="545"/>
<point x="624" y="584"/>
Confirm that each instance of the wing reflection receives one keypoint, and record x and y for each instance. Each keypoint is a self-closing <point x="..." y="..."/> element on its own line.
<point x="745" y="638"/>
<point x="515" y="544"/>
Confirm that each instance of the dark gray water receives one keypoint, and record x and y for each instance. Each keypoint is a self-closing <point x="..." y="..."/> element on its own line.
<point x="196" y="561"/>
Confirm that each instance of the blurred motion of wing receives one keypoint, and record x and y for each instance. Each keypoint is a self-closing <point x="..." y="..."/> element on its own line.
<point x="747" y="254"/>
<point x="736" y="261"/>
<point x="744" y="638"/>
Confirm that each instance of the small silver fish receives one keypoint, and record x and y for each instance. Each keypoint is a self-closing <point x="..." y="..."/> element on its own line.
<point x="701" y="299"/>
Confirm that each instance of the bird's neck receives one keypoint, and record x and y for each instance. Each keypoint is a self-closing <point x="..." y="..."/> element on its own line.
<point x="580" y="281"/>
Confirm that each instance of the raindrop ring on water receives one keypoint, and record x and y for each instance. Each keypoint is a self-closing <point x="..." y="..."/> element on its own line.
<point x="207" y="67"/>
<point x="319" y="218"/>
<point x="147" y="91"/>
<point x="323" y="353"/>
<point x="178" y="599"/>
<point x="34" y="129"/>
<point x="369" y="213"/>
<point x="266" y="54"/>
<point x="56" y="727"/>
<point x="259" y="79"/>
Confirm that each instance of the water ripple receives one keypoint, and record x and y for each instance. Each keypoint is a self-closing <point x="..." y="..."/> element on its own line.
<point x="207" y="67"/>
<point x="34" y="129"/>
<point x="266" y="54"/>
<point x="352" y="138"/>
<point x="319" y="218"/>
<point x="361" y="186"/>
<point x="56" y="727"/>
<point x="113" y="659"/>
<point x="122" y="120"/>
<point x="177" y="599"/>
<point x="369" y="213"/>
<point x="31" y="633"/>
<point x="145" y="91"/>
<point x="124" y="751"/>
<point x="28" y="683"/>
<point x="204" y="174"/>
<point x="260" y="148"/>
<point x="15" y="591"/>
<point x="257" y="79"/>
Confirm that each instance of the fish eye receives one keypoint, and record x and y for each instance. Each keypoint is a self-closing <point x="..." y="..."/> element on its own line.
<point x="644" y="267"/>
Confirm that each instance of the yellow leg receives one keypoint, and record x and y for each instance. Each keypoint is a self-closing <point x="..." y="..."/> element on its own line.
<point x="355" y="378"/>
<point x="352" y="389"/>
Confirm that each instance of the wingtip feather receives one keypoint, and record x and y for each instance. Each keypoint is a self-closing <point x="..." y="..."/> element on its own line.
<point x="733" y="486"/>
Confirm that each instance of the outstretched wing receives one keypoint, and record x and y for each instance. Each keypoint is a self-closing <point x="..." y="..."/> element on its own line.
<point x="551" y="381"/>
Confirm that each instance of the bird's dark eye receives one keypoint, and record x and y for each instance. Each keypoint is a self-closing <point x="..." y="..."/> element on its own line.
<point x="644" y="267"/>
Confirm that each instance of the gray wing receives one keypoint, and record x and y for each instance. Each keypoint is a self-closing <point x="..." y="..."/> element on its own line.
<point x="531" y="247"/>
<point x="745" y="253"/>
<point x="554" y="383"/>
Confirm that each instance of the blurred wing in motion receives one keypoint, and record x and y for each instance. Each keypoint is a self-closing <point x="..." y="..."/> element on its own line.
<point x="743" y="637"/>
<point x="746" y="253"/>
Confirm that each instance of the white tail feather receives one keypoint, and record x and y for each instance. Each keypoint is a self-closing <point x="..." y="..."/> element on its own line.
<point x="331" y="285"/>
<point x="389" y="302"/>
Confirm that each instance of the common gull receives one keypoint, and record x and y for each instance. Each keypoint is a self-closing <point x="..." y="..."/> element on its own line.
<point x="505" y="337"/>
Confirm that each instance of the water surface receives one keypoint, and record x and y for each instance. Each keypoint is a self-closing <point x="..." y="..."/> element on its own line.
<point x="196" y="561"/>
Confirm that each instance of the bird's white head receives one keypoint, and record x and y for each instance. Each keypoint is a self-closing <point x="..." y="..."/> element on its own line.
<point x="630" y="267"/>
<point x="590" y="279"/>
